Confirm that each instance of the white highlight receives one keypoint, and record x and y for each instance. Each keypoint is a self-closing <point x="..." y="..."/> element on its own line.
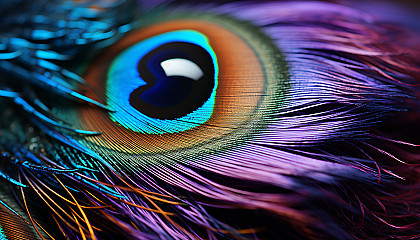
<point x="182" y="67"/>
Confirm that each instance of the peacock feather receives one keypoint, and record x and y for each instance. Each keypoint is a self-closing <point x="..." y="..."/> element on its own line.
<point x="212" y="120"/>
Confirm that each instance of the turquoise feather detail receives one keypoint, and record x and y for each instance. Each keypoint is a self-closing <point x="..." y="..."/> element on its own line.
<point x="2" y="236"/>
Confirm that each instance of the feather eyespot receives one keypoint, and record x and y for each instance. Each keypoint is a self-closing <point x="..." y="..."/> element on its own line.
<point x="169" y="79"/>
<point x="181" y="83"/>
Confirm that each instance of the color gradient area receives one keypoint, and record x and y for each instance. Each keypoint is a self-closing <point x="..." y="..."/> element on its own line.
<point x="239" y="101"/>
<point x="123" y="78"/>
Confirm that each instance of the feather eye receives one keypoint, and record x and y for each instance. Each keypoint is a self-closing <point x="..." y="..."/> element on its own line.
<point x="164" y="106"/>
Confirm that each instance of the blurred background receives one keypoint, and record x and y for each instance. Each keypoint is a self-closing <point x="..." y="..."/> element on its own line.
<point x="406" y="12"/>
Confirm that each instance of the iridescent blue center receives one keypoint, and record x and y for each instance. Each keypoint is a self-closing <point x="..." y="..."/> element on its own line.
<point x="164" y="84"/>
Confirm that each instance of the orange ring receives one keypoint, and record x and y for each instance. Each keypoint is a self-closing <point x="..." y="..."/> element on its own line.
<point x="240" y="88"/>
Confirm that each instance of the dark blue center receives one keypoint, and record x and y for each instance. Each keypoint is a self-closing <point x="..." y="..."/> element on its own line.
<point x="170" y="97"/>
